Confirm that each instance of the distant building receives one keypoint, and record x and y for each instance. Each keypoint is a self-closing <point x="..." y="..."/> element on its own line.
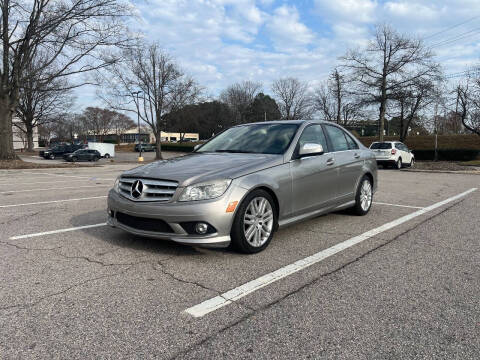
<point x="131" y="136"/>
<point x="20" y="137"/>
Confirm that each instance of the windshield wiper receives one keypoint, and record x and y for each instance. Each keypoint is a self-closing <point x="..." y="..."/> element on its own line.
<point x="236" y="151"/>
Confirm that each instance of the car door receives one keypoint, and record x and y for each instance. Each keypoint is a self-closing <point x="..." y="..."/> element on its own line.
<point x="313" y="177"/>
<point x="406" y="155"/>
<point x="348" y="159"/>
<point x="83" y="155"/>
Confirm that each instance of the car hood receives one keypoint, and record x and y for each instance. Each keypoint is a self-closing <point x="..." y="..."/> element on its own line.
<point x="200" y="167"/>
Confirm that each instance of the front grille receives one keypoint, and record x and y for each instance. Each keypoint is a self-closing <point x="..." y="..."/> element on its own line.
<point x="152" y="190"/>
<point x="142" y="223"/>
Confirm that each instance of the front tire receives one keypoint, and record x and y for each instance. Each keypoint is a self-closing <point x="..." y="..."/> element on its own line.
<point x="52" y="156"/>
<point x="254" y="223"/>
<point x="107" y="156"/>
<point x="363" y="197"/>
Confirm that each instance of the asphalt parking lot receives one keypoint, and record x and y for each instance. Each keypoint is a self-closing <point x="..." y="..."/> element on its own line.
<point x="401" y="282"/>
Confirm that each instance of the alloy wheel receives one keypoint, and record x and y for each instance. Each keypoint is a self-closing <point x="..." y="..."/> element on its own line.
<point x="366" y="195"/>
<point x="258" y="221"/>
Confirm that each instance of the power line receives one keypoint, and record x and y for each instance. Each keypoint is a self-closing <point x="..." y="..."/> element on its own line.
<point x="451" y="27"/>
<point x="464" y="35"/>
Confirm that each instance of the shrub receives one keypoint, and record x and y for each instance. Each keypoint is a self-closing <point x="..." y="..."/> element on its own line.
<point x="447" y="154"/>
<point x="180" y="147"/>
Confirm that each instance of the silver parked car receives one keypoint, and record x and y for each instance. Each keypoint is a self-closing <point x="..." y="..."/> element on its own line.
<point x="245" y="183"/>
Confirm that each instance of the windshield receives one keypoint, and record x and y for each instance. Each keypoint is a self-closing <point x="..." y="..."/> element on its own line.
<point x="378" y="145"/>
<point x="254" y="138"/>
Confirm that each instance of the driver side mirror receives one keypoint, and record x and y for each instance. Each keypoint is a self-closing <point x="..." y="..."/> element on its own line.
<point x="310" y="149"/>
<point x="196" y="147"/>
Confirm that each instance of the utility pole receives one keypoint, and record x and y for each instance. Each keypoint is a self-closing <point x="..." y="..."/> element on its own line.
<point x="435" y="158"/>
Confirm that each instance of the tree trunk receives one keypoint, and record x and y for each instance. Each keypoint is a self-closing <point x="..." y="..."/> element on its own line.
<point x="382" y="120"/>
<point x="339" y="97"/>
<point x="6" y="134"/>
<point x="29" y="134"/>
<point x="158" y="142"/>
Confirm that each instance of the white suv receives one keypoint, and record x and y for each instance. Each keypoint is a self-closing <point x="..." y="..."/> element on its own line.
<point x="392" y="153"/>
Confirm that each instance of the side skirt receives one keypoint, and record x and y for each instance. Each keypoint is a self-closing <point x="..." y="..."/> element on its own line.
<point x="298" y="218"/>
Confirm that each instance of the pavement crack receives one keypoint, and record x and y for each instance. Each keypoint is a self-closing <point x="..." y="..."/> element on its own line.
<point x="163" y="270"/>
<point x="27" y="248"/>
<point x="65" y="290"/>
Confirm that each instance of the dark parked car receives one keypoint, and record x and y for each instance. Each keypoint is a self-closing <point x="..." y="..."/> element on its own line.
<point x="144" y="147"/>
<point x="58" y="151"/>
<point x="83" y="155"/>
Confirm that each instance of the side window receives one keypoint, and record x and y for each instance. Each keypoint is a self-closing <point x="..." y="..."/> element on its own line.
<point x="351" y="143"/>
<point x="337" y="138"/>
<point x="313" y="134"/>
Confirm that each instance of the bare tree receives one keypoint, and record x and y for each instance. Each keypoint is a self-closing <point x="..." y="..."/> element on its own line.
<point x="41" y="102"/>
<point x="335" y="103"/>
<point x="293" y="97"/>
<point x="121" y="123"/>
<point x="468" y="104"/>
<point x="73" y="34"/>
<point x="408" y="103"/>
<point x="239" y="97"/>
<point x="390" y="62"/>
<point x="150" y="83"/>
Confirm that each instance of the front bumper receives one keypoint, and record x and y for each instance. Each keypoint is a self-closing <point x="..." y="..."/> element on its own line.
<point x="175" y="213"/>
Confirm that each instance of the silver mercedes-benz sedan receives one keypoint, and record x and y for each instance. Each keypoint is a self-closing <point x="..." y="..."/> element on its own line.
<point x="242" y="185"/>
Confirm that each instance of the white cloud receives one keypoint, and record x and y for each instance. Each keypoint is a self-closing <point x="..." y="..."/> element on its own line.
<point x="219" y="42"/>
<point x="351" y="10"/>
<point x="286" y="30"/>
<point x="409" y="10"/>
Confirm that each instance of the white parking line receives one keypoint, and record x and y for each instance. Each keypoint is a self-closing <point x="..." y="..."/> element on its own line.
<point x="50" y="182"/>
<point x="56" y="188"/>
<point x="53" y="201"/>
<point x="69" y="176"/>
<point x="57" y="231"/>
<point x="398" y="205"/>
<point x="228" y="297"/>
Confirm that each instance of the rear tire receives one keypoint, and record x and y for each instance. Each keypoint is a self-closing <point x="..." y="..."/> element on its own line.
<point x="363" y="197"/>
<point x="254" y="223"/>
<point x="52" y="156"/>
<point x="399" y="164"/>
<point x="412" y="162"/>
<point x="74" y="159"/>
<point x="107" y="156"/>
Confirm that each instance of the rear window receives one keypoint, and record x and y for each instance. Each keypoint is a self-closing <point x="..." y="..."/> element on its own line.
<point x="381" y="146"/>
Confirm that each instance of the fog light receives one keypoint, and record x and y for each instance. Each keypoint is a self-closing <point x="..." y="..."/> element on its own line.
<point x="201" y="228"/>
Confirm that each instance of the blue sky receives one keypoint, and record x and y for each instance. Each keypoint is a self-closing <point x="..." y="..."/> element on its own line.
<point x="219" y="42"/>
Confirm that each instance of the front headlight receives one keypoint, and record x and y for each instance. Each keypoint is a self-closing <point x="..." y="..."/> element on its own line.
<point x="205" y="191"/>
<point x="116" y="185"/>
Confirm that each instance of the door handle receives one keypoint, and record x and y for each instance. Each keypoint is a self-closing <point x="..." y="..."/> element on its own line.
<point x="356" y="156"/>
<point x="330" y="161"/>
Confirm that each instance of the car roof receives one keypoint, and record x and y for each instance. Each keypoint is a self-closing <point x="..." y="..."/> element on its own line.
<point x="297" y="122"/>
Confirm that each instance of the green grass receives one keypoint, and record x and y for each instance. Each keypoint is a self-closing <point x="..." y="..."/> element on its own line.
<point x="470" y="163"/>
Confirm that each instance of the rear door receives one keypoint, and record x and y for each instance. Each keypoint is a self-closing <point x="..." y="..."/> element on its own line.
<point x="406" y="155"/>
<point x="314" y="177"/>
<point x="348" y="159"/>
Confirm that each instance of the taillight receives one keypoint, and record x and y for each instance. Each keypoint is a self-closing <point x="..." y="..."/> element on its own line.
<point x="394" y="151"/>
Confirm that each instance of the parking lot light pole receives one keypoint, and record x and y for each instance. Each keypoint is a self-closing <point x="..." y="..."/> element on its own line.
<point x="140" y="158"/>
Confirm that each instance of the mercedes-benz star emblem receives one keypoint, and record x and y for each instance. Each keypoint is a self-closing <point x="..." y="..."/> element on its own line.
<point x="137" y="188"/>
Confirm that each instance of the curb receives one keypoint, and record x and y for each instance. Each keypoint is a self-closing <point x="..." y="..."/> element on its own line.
<point x="461" y="172"/>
